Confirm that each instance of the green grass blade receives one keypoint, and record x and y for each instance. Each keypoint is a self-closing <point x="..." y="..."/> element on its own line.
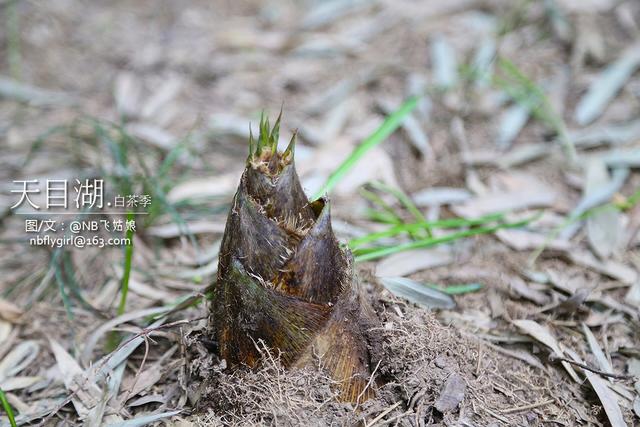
<point x="56" y="263"/>
<point x="524" y="91"/>
<point x="629" y="203"/>
<point x="430" y="242"/>
<point x="377" y="200"/>
<point x="402" y="198"/>
<point x="391" y="123"/>
<point x="456" y="289"/>
<point x="128" y="256"/>
<point x="405" y="201"/>
<point x="381" y="217"/>
<point x="7" y="409"/>
<point x="411" y="227"/>
<point x="14" y="55"/>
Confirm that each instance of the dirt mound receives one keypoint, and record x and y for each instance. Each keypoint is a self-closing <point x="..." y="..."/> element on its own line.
<point x="428" y="374"/>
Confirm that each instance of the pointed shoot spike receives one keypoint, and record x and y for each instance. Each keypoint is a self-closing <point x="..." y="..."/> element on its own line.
<point x="260" y="133"/>
<point x="252" y="144"/>
<point x="267" y="126"/>
<point x="263" y="132"/>
<point x="291" y="148"/>
<point x="275" y="132"/>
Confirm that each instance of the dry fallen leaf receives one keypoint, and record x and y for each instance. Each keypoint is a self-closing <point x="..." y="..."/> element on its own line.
<point x="206" y="187"/>
<point x="605" y="394"/>
<point x="596" y="350"/>
<point x="607" y="85"/>
<point x="168" y="231"/>
<point x="17" y="383"/>
<point x="524" y="240"/>
<point x="604" y="228"/>
<point x="525" y="291"/>
<point x="418" y="293"/>
<point x="518" y="191"/>
<point x="405" y="263"/>
<point x="613" y="269"/>
<point x="633" y="296"/>
<point x="18" y="358"/>
<point x="86" y="394"/>
<point x="9" y="312"/>
<point x="544" y="336"/>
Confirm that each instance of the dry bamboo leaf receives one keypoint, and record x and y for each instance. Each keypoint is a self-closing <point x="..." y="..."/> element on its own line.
<point x="604" y="229"/>
<point x="151" y="292"/>
<point x="517" y="192"/>
<point x="607" y="398"/>
<point x="153" y="135"/>
<point x="632" y="298"/>
<point x="511" y="123"/>
<point x="145" y="420"/>
<point x="598" y="135"/>
<point x="92" y="340"/>
<point x="520" y="355"/>
<point x="150" y="398"/>
<point x="521" y="154"/>
<point x="403" y="264"/>
<point x="86" y="394"/>
<point x="607" y="85"/>
<point x="525" y="291"/>
<point x="483" y="61"/>
<point x="221" y="185"/>
<point x="524" y="240"/>
<point x="443" y="60"/>
<point x="507" y="201"/>
<point x="167" y="91"/>
<point x="605" y="394"/>
<point x="633" y="367"/>
<point x="418" y="293"/>
<point x="37" y="409"/>
<point x="603" y="362"/>
<point x="544" y="336"/>
<point x="622" y="158"/>
<point x="17" y="383"/>
<point x="18" y="358"/>
<point x="571" y="304"/>
<point x="127" y="91"/>
<point x="595" y="198"/>
<point x="327" y="12"/>
<point x="9" y="311"/>
<point x="437" y="196"/>
<point x="169" y="231"/>
<point x="609" y="268"/>
<point x="582" y="6"/>
<point x="5" y="331"/>
<point x="151" y="375"/>
<point x="21" y="92"/>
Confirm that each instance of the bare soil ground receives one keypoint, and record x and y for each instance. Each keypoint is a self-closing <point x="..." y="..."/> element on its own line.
<point x="529" y="105"/>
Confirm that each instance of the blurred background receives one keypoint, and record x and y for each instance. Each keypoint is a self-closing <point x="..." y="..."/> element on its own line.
<point x="523" y="107"/>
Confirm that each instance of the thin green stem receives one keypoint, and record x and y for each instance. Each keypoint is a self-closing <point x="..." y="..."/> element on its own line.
<point x="377" y="200"/>
<point x="128" y="256"/>
<point x="627" y="204"/>
<point x="13" y="40"/>
<point x="391" y="123"/>
<point x="8" y="409"/>
<point x="406" y="202"/>
<point x="412" y="227"/>
<point x="376" y="253"/>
